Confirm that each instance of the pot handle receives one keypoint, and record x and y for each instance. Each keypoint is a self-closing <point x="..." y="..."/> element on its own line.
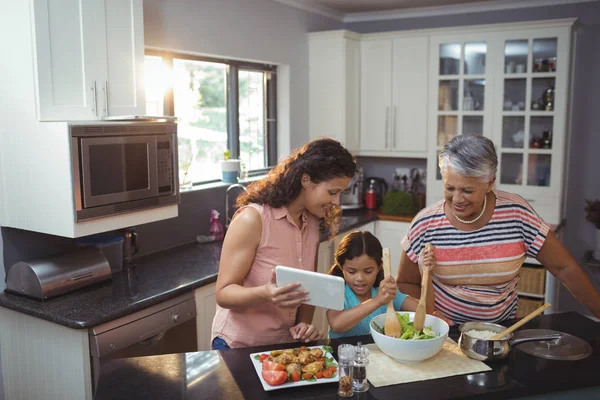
<point x="553" y="336"/>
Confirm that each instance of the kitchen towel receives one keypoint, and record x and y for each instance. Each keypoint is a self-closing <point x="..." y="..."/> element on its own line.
<point x="383" y="370"/>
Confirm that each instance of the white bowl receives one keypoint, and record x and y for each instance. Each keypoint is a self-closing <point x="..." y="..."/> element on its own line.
<point x="411" y="351"/>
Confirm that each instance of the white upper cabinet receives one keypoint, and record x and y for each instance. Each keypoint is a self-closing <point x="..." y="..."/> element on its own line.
<point x="394" y="97"/>
<point x="334" y="79"/>
<point x="88" y="58"/>
<point x="509" y="83"/>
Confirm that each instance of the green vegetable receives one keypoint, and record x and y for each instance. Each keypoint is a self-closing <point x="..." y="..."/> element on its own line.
<point x="378" y="328"/>
<point x="330" y="362"/>
<point x="409" y="332"/>
<point x="328" y="349"/>
<point x="398" y="203"/>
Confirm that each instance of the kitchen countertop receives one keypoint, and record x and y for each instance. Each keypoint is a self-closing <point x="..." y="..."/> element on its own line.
<point x="152" y="279"/>
<point x="229" y="374"/>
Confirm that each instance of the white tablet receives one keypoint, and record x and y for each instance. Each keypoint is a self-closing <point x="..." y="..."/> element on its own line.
<point x="324" y="290"/>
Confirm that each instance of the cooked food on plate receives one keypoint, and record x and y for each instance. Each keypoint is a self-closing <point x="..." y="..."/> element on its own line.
<point x="293" y="365"/>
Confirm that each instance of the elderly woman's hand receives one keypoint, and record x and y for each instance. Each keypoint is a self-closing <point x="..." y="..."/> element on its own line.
<point x="427" y="258"/>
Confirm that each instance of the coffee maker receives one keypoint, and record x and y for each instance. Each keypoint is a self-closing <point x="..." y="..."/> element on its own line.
<point x="352" y="196"/>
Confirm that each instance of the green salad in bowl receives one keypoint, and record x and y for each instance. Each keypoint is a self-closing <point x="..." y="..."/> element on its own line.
<point x="408" y="330"/>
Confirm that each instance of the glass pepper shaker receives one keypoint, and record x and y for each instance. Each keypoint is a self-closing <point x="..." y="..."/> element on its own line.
<point x="346" y="354"/>
<point x="359" y="370"/>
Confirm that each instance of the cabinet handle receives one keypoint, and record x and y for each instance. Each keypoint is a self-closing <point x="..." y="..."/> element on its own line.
<point x="105" y="88"/>
<point x="387" y="126"/>
<point x="394" y="128"/>
<point x="95" y="108"/>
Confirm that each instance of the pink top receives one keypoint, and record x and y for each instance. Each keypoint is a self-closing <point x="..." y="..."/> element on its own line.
<point x="281" y="243"/>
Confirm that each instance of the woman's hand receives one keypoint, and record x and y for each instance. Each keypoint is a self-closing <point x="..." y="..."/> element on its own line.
<point x="427" y="258"/>
<point x="305" y="332"/>
<point x="387" y="291"/>
<point x="286" y="297"/>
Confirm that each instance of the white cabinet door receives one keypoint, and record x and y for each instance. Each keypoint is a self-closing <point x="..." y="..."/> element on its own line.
<point x="89" y="58"/>
<point x="376" y="95"/>
<point x="123" y="91"/>
<point x="67" y="59"/>
<point x="206" y="308"/>
<point x="390" y="234"/>
<point x="334" y="79"/>
<point x="325" y="260"/>
<point x="409" y="103"/>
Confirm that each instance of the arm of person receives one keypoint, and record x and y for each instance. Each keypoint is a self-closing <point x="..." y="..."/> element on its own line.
<point x="561" y="264"/>
<point x="237" y="256"/>
<point x="408" y="280"/>
<point x="342" y="321"/>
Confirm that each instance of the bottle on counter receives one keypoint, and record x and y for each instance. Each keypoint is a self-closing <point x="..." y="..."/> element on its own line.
<point x="371" y="196"/>
<point x="396" y="183"/>
<point x="346" y="354"/>
<point x="216" y="229"/>
<point x="359" y="369"/>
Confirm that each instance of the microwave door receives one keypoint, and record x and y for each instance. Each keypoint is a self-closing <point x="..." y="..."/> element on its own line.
<point x="118" y="169"/>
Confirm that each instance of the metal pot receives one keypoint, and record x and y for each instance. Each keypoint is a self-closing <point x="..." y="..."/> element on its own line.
<point x="492" y="350"/>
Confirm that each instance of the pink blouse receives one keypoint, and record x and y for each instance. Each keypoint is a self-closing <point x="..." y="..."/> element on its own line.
<point x="281" y="243"/>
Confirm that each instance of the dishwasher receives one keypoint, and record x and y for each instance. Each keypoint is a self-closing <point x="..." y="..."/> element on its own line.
<point x="165" y="328"/>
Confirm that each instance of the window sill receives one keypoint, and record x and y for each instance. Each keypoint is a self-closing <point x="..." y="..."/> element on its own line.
<point x="218" y="184"/>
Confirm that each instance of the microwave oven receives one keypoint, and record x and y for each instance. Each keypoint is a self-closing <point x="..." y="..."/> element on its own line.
<point x="121" y="167"/>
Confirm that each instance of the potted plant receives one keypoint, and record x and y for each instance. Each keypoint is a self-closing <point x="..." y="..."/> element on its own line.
<point x="230" y="168"/>
<point x="592" y="214"/>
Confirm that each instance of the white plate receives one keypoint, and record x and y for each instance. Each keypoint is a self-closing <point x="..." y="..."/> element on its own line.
<point x="258" y="367"/>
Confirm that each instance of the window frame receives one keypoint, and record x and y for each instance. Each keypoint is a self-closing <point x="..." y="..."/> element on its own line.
<point x="232" y="101"/>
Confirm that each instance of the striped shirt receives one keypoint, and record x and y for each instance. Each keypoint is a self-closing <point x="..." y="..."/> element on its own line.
<point x="477" y="272"/>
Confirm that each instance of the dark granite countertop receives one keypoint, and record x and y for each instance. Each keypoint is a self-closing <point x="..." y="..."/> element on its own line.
<point x="230" y="375"/>
<point x="153" y="279"/>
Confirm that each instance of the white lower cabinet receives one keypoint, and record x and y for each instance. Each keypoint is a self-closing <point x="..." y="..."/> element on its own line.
<point x="390" y="234"/>
<point x="206" y="308"/>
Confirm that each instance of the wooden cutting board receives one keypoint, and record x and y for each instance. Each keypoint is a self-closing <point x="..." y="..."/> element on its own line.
<point x="383" y="370"/>
<point x="397" y="218"/>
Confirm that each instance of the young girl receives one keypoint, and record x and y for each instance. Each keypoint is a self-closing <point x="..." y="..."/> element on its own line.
<point x="358" y="260"/>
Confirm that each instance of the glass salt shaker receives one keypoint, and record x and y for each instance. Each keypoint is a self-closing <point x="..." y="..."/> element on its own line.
<point x="346" y="353"/>
<point x="359" y="369"/>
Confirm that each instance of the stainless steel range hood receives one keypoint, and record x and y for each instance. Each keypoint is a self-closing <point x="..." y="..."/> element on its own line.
<point x="45" y="278"/>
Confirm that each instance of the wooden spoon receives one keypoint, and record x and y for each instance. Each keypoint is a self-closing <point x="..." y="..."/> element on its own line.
<point x="521" y="322"/>
<point x="392" y="325"/>
<point x="419" y="320"/>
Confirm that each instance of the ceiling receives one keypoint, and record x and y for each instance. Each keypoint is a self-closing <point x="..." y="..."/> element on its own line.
<point x="361" y="6"/>
<point x="372" y="10"/>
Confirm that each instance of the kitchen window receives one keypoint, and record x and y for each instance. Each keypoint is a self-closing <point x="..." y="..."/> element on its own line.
<point x="219" y="104"/>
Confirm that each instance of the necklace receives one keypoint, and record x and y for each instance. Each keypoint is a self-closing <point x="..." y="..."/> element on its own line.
<point x="476" y="218"/>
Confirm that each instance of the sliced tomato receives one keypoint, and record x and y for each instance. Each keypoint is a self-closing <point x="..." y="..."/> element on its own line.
<point x="263" y="357"/>
<point x="321" y="359"/>
<point x="307" y="376"/>
<point x="295" y="376"/>
<point x="333" y="368"/>
<point x="275" y="378"/>
<point x="327" y="373"/>
<point x="272" y="366"/>
<point x="319" y="375"/>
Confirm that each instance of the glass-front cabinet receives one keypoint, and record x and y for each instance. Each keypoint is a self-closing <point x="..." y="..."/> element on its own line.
<point x="511" y="86"/>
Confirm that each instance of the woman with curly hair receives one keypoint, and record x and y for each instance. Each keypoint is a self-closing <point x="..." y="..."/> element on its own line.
<point x="277" y="223"/>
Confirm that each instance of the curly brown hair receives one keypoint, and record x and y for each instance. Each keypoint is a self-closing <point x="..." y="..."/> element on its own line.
<point x="321" y="159"/>
<point x="355" y="244"/>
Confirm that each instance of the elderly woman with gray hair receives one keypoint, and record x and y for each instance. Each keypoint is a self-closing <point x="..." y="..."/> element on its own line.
<point x="482" y="237"/>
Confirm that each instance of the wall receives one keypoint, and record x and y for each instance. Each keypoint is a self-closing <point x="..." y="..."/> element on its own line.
<point x="258" y="30"/>
<point x="584" y="163"/>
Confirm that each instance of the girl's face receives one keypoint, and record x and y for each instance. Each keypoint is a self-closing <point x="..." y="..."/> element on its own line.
<point x="321" y="197"/>
<point x="360" y="274"/>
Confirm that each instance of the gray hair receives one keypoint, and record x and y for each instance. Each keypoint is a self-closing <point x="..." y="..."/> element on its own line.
<point x="473" y="156"/>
